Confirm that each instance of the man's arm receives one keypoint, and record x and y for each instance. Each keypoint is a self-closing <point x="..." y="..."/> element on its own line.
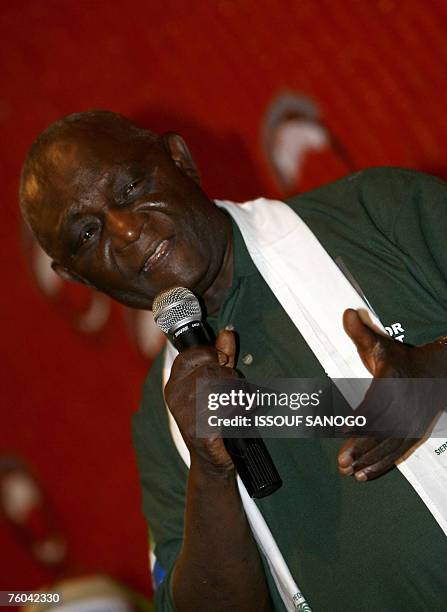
<point x="219" y="567"/>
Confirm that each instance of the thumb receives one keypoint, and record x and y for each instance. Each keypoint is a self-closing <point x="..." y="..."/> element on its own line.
<point x="226" y="348"/>
<point x="370" y="345"/>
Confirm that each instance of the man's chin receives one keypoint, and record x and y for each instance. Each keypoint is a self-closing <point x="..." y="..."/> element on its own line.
<point x="131" y="300"/>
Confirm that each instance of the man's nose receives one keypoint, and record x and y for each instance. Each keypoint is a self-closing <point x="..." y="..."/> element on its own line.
<point x="124" y="227"/>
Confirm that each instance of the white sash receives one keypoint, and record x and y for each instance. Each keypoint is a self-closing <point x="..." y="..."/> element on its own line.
<point x="314" y="293"/>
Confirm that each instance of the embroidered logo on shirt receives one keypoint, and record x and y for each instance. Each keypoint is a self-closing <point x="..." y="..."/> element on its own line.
<point x="396" y="331"/>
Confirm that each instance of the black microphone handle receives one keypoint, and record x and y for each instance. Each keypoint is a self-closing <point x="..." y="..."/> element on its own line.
<point x="250" y="455"/>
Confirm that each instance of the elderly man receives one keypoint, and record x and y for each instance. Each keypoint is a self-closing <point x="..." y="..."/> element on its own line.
<point x="121" y="209"/>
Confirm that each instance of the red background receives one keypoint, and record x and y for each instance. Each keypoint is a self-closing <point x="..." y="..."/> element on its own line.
<point x="208" y="69"/>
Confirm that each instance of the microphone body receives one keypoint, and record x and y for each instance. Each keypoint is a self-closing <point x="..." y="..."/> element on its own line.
<point x="178" y="314"/>
<point x="189" y="335"/>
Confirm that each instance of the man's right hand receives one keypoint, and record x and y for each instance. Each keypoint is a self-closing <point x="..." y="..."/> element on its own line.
<point x="180" y="395"/>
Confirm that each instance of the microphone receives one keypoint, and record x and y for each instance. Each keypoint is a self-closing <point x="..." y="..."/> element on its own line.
<point x="178" y="314"/>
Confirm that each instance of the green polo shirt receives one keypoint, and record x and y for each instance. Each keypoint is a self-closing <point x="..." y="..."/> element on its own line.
<point x="350" y="546"/>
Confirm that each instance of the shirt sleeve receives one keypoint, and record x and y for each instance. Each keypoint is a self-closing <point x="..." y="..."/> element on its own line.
<point x="410" y="208"/>
<point x="163" y="478"/>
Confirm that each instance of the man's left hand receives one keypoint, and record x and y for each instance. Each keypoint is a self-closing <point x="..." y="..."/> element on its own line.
<point x="369" y="457"/>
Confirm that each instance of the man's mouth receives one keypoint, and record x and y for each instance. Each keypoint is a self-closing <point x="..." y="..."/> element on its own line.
<point x="160" y="253"/>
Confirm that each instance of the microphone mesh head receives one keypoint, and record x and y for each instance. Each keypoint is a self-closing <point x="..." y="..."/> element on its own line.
<point x="175" y="306"/>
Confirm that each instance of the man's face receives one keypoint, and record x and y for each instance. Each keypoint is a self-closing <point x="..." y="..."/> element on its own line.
<point x="121" y="215"/>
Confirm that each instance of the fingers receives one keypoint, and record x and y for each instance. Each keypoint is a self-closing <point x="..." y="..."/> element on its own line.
<point x="381" y="459"/>
<point x="226" y="348"/>
<point x="369" y="343"/>
<point x="362" y="335"/>
<point x="376" y="453"/>
<point x="368" y="458"/>
<point x="351" y="451"/>
<point x="193" y="358"/>
<point x="223" y="354"/>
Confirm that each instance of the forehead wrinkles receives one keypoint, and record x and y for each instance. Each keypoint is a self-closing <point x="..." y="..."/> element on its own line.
<point x="89" y="198"/>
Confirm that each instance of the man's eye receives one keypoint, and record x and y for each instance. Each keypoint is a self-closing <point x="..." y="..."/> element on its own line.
<point x="87" y="235"/>
<point x="129" y="190"/>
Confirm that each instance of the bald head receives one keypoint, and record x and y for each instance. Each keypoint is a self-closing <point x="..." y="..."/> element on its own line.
<point x="62" y="154"/>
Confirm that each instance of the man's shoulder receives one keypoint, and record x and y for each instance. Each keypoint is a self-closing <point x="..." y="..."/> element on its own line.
<point x="374" y="181"/>
<point x="375" y="198"/>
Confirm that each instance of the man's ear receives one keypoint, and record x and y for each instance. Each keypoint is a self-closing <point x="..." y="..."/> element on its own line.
<point x="179" y="152"/>
<point x="67" y="275"/>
